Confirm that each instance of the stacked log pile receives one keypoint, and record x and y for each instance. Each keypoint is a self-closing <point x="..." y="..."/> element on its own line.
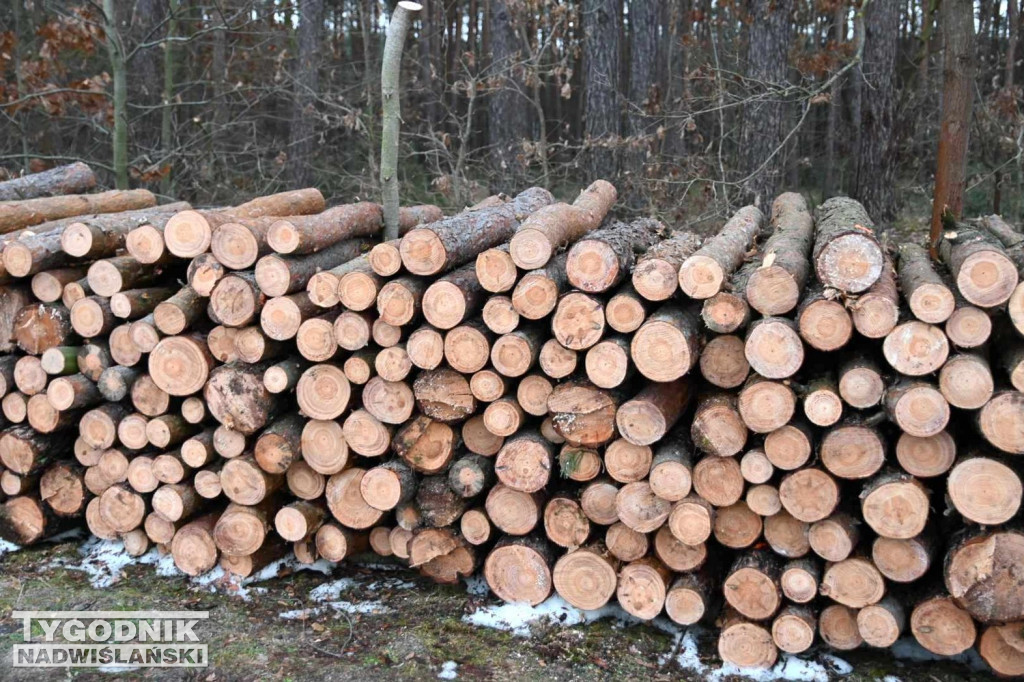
<point x="785" y="429"/>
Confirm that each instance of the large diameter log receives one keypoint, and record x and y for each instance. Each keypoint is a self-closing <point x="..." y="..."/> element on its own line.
<point x="346" y="502"/>
<point x="180" y="365"/>
<point x="917" y="407"/>
<point x="703" y="274"/>
<point x="582" y="413"/>
<point x="846" y="252"/>
<point x="752" y="585"/>
<point x="774" y="348"/>
<point x="983" y="273"/>
<point x="924" y="289"/>
<point x="745" y="644"/>
<point x="942" y="627"/>
<point x="15" y="215"/>
<point x="915" y="348"/>
<point x="774" y="288"/>
<point x="605" y="256"/>
<point x="444" y="395"/>
<point x="656" y="275"/>
<point x="102" y="236"/>
<point x="458" y="239"/>
<point x="556" y="225"/>
<point x="982" y="575"/>
<point x="667" y="345"/>
<point x="1001" y="647"/>
<point x="853" y="582"/>
<point x="25" y="520"/>
<point x="237" y="398"/>
<point x="586" y="577"/>
<point x="37" y="328"/>
<point x="984" y="490"/>
<point x="895" y="505"/>
<point x="189" y="233"/>
<point x="73" y="178"/>
<point x="765" y="405"/>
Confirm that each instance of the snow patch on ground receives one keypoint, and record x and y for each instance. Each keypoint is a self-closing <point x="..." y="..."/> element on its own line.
<point x="448" y="671"/>
<point x="371" y="607"/>
<point x="8" y="548"/>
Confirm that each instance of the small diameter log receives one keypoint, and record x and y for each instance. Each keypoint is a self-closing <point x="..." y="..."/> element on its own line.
<point x="475" y="527"/>
<point x="998" y="418"/>
<point x="62" y="488"/>
<point x="500" y="315"/>
<point x="853" y="582"/>
<point x="903" y="561"/>
<point x="834" y="538"/>
<point x="752" y="585"/>
<point x="984" y="490"/>
<point x="102" y="236"/>
<point x="728" y="311"/>
<point x="776" y="285"/>
<point x="969" y="326"/>
<point x="92" y="317"/>
<point x="626" y="462"/>
<point x="504" y="417"/>
<point x="237" y="300"/>
<point x="365" y="434"/>
<point x="852" y="450"/>
<point x="136" y="303"/>
<point x="983" y="273"/>
<point x="837" y="625"/>
<point x="37" y="328"/>
<point x="691" y="598"/>
<point x="924" y="289"/>
<point x="737" y="526"/>
<point x="280" y="275"/>
<point x="639" y="508"/>
<point x="337" y="543"/>
<point x="324" y="447"/>
<point x="458" y="239"/>
<point x="45" y="418"/>
<point x="400" y="300"/>
<point x="578" y="322"/>
<point x="33" y="253"/>
<point x="786" y="535"/>
<point x="438" y="504"/>
<point x="176" y="501"/>
<point x="667" y="345"/>
<point x="29" y="376"/>
<point x="519" y="570"/>
<point x="926" y="457"/>
<point x="115" y="383"/>
<point x="93" y="358"/>
<point x="25" y="451"/>
<point x="532" y="394"/>
<point x="26" y="520"/>
<point x="822" y="403"/>
<point x="74" y="291"/>
<point x="15" y="407"/>
<point x="168" y="430"/>
<point x="204" y="272"/>
<point x="642" y="587"/>
<point x="625" y="310"/>
<point x="193" y="548"/>
<point x="895" y="505"/>
<point x="773" y="348"/>
<point x="98" y="427"/>
<point x="822" y="321"/>
<point x="966" y="381"/>
<point x="608" y="363"/>
<point x="656" y="275"/>
<point x="425" y="348"/>
<point x="391" y="402"/>
<point x="648" y="416"/>
<point x="745" y="644"/>
<point x="471" y="475"/>
<point x="1011" y="359"/>
<point x="860" y="383"/>
<point x="917" y="407"/>
<point x="723" y="361"/>
<point x="846" y="252"/>
<point x="299" y="519"/>
<point x="942" y="627"/>
<point x="426" y="445"/>
<point x="179" y="312"/>
<point x="109" y="276"/>
<point x="717" y="427"/>
<point x="513" y="354"/>
<point x="799" y="580"/>
<point x="995" y="594"/>
<point x="279" y="445"/>
<point x="358" y="288"/>
<point x="756" y="467"/>
<point x="605" y="256"/>
<point x="478" y="439"/>
<point x="565" y="524"/>
<point x="72" y="392"/>
<point x="702" y="275"/>
<point x="386" y="486"/>
<point x="586" y="577"/>
<point x="556" y="360"/>
<point x="556" y="225"/>
<point x="577" y="463"/>
<point x="766" y="405"/>
<point x="311" y="233"/>
<point x="794" y="628"/>
<point x="170" y="468"/>
<point x="467" y="347"/>
<point x="495" y="269"/>
<point x="583" y="414"/>
<point x="140" y="475"/>
<point x="624" y="543"/>
<point x="244" y="482"/>
<point x="48" y="286"/>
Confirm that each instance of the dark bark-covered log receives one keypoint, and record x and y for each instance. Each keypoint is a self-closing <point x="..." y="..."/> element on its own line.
<point x="982" y="574"/>
<point x="846" y="252"/>
<point x="924" y="289"/>
<point x="605" y="256"/>
<point x="73" y="178"/>
<point x="822" y="321"/>
<point x="774" y="288"/>
<point x="703" y="274"/>
<point x="656" y="275"/>
<point x="728" y="311"/>
<point x="983" y="273"/>
<point x="102" y="236"/>
<point x="15" y="215"/>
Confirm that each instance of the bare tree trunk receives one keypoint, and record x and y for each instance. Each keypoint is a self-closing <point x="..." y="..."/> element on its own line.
<point x="307" y="84"/>
<point x="144" y="66"/>
<point x="838" y="33"/>
<point x="762" y="133"/>
<point x="957" y="17"/>
<point x="1012" y="30"/>
<point x="601" y="21"/>
<point x="116" y="53"/>
<point x="508" y="125"/>
<point x="369" y="82"/>
<point x="643" y="38"/>
<point x="874" y="185"/>
<point x="167" y="112"/>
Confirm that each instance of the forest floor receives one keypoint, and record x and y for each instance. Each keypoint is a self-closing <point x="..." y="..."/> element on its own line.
<point x="382" y="622"/>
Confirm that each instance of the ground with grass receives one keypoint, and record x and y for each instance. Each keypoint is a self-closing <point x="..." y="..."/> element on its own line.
<point x="381" y="622"/>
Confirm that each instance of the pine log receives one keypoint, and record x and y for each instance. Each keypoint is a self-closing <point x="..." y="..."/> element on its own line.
<point x="691" y="598"/>
<point x="703" y="274"/>
<point x="556" y="360"/>
<point x="822" y="321"/>
<point x="895" y="505"/>
<point x="458" y="239"/>
<point x="438" y="504"/>
<point x="794" y="628"/>
<point x="745" y="644"/>
<point x="1000" y="646"/>
<point x="15" y="215"/>
<point x="998" y="418"/>
<point x="513" y="354"/>
<point x="983" y="273"/>
<point x="92" y="317"/>
<point x="626" y="310"/>
<point x="648" y="416"/>
<point x="926" y="293"/>
<point x="385" y="258"/>
<point x="787" y="536"/>
<point x="846" y="252"/>
<point x="519" y="570"/>
<point x="982" y="574"/>
<point x="605" y="256"/>
<point x="942" y="627"/>
<point x="917" y="407"/>
<point x="766" y="405"/>
<point x="586" y="577"/>
<point x="853" y="450"/>
<point x="512" y="511"/>
<point x="37" y="328"/>
<point x="775" y="286"/>
<point x="717" y="427"/>
<point x="642" y="587"/>
<point x="860" y="382"/>
<point x="608" y="363"/>
<point x="48" y="286"/>
<point x="467" y="347"/>
<point x="853" y="582"/>
<point x="837" y="625"/>
<point x="556" y="225"/>
<point x="656" y="275"/>
<point x="834" y="538"/>
<point x="102" y="236"/>
<point x="969" y="326"/>
<point x="822" y="403"/>
<point x="728" y="311"/>
<point x="72" y="178"/>
<point x="204" y="272"/>
<point x="29" y="376"/>
<point x="773" y="347"/>
<point x="666" y="347"/>
<point x="237" y="398"/>
<point x="903" y="561"/>
<point x="799" y="580"/>
<point x="723" y="361"/>
<point x="984" y="490"/>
